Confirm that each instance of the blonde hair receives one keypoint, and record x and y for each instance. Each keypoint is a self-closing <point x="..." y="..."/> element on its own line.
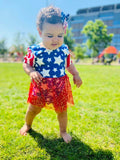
<point x="50" y="15"/>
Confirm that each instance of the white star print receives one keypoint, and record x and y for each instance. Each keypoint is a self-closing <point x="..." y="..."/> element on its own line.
<point x="40" y="61"/>
<point x="66" y="51"/>
<point x="55" y="53"/>
<point x="34" y="52"/>
<point x="39" y="51"/>
<point x="45" y="72"/>
<point x="58" y="60"/>
<point x="54" y="76"/>
<point x="62" y="71"/>
<point x="48" y="51"/>
<point x="55" y="69"/>
<point x="49" y="59"/>
<point x="32" y="47"/>
<point x="36" y="65"/>
<point x="49" y="63"/>
<point x="38" y="47"/>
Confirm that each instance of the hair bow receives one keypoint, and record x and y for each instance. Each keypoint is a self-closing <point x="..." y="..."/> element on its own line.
<point x="64" y="19"/>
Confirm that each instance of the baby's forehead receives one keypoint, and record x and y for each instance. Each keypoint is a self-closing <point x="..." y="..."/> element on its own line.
<point x="52" y="24"/>
<point x="48" y="27"/>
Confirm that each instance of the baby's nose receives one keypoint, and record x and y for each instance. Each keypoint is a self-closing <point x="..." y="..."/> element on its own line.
<point x="55" y="39"/>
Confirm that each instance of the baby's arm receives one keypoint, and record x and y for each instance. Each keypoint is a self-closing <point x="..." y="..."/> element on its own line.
<point x="34" y="75"/>
<point x="76" y="78"/>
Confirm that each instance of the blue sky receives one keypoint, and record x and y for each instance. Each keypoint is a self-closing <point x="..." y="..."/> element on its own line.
<point x="20" y="15"/>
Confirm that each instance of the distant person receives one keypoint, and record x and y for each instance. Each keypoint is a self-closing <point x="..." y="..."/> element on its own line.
<point x="45" y="63"/>
<point x="119" y="57"/>
<point x="103" y="59"/>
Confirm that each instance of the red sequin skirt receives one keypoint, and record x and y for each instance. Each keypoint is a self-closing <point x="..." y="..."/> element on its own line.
<point x="51" y="93"/>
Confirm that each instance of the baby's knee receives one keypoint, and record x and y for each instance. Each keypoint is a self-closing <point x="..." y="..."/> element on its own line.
<point x="34" y="109"/>
<point x="62" y="114"/>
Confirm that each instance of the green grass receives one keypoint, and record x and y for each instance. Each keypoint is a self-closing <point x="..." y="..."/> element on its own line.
<point x="94" y="121"/>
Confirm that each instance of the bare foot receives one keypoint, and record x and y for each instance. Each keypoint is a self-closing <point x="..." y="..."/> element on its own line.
<point x="24" y="130"/>
<point x="66" y="137"/>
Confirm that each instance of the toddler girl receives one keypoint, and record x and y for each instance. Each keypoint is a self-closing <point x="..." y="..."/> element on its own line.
<point x="45" y="63"/>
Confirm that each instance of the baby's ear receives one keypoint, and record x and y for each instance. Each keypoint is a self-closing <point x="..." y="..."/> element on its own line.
<point x="39" y="31"/>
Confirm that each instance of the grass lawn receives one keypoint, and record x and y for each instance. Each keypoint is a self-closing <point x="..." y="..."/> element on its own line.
<point x="94" y="121"/>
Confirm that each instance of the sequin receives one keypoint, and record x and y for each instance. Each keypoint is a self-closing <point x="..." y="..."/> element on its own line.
<point x="51" y="93"/>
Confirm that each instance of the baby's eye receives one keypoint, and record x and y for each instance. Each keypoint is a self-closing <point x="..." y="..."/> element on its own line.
<point x="50" y="36"/>
<point x="60" y="36"/>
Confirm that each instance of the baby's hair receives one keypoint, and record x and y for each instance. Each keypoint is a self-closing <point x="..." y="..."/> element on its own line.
<point x="50" y="15"/>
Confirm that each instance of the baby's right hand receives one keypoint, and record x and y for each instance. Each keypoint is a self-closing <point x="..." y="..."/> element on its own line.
<point x="34" y="75"/>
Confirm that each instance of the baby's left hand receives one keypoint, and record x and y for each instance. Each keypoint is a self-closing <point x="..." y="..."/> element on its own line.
<point x="77" y="80"/>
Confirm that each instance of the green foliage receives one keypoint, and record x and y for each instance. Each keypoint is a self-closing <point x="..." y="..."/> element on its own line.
<point x="98" y="39"/>
<point x="32" y="39"/>
<point x="69" y="40"/>
<point x="19" y="43"/>
<point x="94" y="121"/>
<point x="80" y="51"/>
<point x="3" y="48"/>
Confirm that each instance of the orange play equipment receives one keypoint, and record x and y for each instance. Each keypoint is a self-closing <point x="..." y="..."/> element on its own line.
<point x="108" y="50"/>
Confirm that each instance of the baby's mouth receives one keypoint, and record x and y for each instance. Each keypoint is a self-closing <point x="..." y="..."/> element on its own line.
<point x="54" y="44"/>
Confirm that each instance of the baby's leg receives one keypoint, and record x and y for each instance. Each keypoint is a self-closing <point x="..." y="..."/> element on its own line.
<point x="30" y="115"/>
<point x="62" y="118"/>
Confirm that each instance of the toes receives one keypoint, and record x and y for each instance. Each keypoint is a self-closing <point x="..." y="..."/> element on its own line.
<point x="24" y="130"/>
<point x="66" y="137"/>
<point x="23" y="133"/>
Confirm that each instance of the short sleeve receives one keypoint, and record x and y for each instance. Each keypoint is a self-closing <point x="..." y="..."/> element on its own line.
<point x="29" y="58"/>
<point x="68" y="60"/>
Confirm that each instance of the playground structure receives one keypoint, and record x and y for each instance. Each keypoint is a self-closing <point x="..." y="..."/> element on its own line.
<point x="17" y="55"/>
<point x="108" y="50"/>
<point x="108" y="55"/>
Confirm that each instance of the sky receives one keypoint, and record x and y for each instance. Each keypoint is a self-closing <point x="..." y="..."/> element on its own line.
<point x="20" y="15"/>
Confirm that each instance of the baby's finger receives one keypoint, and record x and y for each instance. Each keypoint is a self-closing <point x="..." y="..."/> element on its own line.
<point x="78" y="85"/>
<point x="40" y="77"/>
<point x="74" y="80"/>
<point x="35" y="78"/>
<point x="38" y="80"/>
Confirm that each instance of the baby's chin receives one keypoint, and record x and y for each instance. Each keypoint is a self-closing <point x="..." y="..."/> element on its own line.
<point x="53" y="46"/>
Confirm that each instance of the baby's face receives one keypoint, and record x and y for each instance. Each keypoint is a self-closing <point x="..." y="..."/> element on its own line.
<point x="52" y="35"/>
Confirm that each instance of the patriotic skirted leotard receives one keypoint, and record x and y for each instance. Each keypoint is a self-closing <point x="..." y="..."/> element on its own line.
<point x="54" y="90"/>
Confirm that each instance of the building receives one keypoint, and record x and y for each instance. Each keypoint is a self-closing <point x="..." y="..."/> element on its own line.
<point x="109" y="14"/>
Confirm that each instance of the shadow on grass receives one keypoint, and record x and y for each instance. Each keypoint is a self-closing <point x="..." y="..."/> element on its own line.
<point x="76" y="150"/>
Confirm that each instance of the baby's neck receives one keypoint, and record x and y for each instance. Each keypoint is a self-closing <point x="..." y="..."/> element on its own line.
<point x="42" y="45"/>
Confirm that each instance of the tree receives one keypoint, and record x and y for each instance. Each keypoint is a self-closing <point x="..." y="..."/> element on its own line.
<point x="80" y="52"/>
<point x="3" y="48"/>
<point x="69" y="40"/>
<point x="19" y="43"/>
<point x="32" y="39"/>
<point x="98" y="39"/>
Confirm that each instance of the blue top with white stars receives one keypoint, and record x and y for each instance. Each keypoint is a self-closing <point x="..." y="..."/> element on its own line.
<point x="49" y="63"/>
